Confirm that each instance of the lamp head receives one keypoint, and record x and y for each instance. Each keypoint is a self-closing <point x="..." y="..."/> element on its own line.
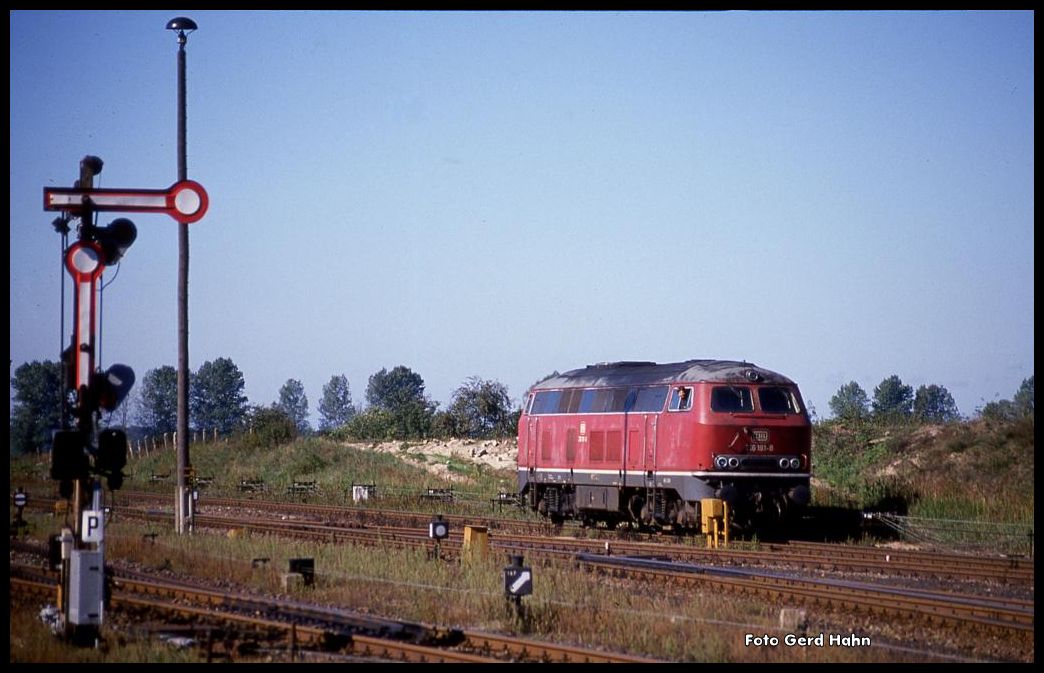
<point x="183" y="25"/>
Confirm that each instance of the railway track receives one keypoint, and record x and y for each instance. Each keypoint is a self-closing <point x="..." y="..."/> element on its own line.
<point x="806" y="555"/>
<point x="729" y="570"/>
<point x="1007" y="618"/>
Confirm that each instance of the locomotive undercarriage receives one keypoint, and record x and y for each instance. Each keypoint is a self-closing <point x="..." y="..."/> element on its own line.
<point x="752" y="507"/>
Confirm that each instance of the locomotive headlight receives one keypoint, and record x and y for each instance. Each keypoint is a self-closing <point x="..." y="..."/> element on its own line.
<point x="784" y="463"/>
<point x="795" y="463"/>
<point x="721" y="462"/>
<point x="734" y="462"/>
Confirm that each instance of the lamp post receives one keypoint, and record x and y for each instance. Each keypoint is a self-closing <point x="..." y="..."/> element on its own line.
<point x="182" y="518"/>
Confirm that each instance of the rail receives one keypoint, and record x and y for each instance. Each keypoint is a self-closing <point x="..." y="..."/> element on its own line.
<point x="959" y="535"/>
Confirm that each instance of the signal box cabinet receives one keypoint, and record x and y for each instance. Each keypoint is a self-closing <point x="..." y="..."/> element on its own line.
<point x="86" y="587"/>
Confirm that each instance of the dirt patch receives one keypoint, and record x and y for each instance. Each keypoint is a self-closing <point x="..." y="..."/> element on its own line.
<point x="435" y="455"/>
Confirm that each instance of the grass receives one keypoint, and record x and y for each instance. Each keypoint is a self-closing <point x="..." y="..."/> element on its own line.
<point x="333" y="465"/>
<point x="33" y="642"/>
<point x="971" y="470"/>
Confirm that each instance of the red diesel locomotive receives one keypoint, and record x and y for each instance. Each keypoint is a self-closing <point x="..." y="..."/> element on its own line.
<point x="645" y="442"/>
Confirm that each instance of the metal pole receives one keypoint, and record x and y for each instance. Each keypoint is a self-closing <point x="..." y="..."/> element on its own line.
<point x="182" y="521"/>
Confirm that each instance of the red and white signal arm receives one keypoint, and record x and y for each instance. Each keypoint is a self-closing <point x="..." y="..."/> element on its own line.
<point x="186" y="201"/>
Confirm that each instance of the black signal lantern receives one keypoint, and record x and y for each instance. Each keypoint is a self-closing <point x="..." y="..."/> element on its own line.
<point x="112" y="456"/>
<point x="109" y="388"/>
<point x="114" y="239"/>
<point x="68" y="456"/>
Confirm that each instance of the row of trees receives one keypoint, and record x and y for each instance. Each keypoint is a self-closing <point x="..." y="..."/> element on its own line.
<point x="894" y="401"/>
<point x="217" y="401"/>
<point x="398" y="407"/>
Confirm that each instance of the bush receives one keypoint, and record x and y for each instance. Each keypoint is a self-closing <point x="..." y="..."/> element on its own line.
<point x="372" y="424"/>
<point x="268" y="428"/>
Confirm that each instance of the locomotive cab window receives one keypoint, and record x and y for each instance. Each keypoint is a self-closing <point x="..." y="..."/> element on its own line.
<point x="731" y="400"/>
<point x="681" y="399"/>
<point x="777" y="400"/>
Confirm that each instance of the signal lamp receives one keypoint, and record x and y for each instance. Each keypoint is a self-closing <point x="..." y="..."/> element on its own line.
<point x="68" y="459"/>
<point x="114" y="238"/>
<point x="109" y="388"/>
<point x="438" y="529"/>
<point x="112" y="450"/>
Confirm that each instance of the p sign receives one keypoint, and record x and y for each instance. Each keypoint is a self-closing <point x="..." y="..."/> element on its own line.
<point x="93" y="526"/>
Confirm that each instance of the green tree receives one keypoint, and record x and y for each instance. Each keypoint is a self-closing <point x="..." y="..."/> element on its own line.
<point x="216" y="396"/>
<point x="294" y="403"/>
<point x="336" y="408"/>
<point x="1010" y="410"/>
<point x="893" y="401"/>
<point x="1000" y="410"/>
<point x="1023" y="399"/>
<point x="444" y="425"/>
<point x="400" y="392"/>
<point x="850" y="403"/>
<point x="37" y="405"/>
<point x="481" y="408"/>
<point x="934" y="404"/>
<point x="158" y="401"/>
<point x="392" y="390"/>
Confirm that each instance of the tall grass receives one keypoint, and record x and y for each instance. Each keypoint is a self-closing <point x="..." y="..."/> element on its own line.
<point x="972" y="470"/>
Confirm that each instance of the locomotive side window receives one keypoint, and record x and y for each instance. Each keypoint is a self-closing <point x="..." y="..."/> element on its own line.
<point x="731" y="399"/>
<point x="776" y="400"/>
<point x="603" y="400"/>
<point x="681" y="399"/>
<point x="650" y="399"/>
<point x="546" y="402"/>
<point x="593" y="401"/>
<point x="608" y="400"/>
<point x="570" y="401"/>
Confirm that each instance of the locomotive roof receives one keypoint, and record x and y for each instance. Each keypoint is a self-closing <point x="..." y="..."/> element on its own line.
<point x="650" y="373"/>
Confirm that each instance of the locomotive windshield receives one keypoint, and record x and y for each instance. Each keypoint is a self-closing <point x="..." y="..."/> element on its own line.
<point x="777" y="400"/>
<point x="731" y="400"/>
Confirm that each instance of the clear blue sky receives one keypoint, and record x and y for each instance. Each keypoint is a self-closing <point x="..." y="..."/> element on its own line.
<point x="834" y="196"/>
